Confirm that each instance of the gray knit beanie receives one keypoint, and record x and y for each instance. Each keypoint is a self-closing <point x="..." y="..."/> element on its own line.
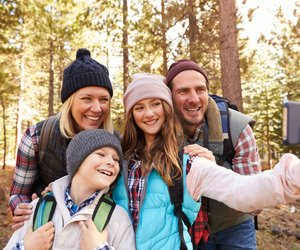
<point x="84" y="72"/>
<point x="86" y="142"/>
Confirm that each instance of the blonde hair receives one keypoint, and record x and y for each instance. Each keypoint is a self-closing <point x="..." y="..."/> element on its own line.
<point x="163" y="154"/>
<point x="67" y="124"/>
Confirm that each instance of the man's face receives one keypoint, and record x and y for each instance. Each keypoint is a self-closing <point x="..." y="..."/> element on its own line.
<point x="190" y="98"/>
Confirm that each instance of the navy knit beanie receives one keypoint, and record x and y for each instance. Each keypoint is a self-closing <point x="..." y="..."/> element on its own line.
<point x="84" y="72"/>
<point x="86" y="142"/>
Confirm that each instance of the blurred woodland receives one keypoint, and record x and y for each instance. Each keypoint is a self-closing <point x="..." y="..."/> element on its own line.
<point x="39" y="38"/>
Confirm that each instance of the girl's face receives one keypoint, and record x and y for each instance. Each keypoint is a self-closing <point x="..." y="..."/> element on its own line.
<point x="149" y="116"/>
<point x="90" y="107"/>
<point x="99" y="170"/>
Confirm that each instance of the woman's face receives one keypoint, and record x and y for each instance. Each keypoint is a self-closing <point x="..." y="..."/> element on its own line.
<point x="90" y="107"/>
<point x="99" y="170"/>
<point x="149" y="116"/>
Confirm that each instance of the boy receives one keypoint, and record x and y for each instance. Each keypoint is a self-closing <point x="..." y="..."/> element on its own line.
<point x="93" y="164"/>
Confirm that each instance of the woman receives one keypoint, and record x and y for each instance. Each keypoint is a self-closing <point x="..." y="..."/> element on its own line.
<point x="151" y="167"/>
<point x="93" y="164"/>
<point x="86" y="96"/>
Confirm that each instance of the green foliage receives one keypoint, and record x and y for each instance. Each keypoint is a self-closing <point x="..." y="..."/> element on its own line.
<point x="40" y="38"/>
<point x="270" y="74"/>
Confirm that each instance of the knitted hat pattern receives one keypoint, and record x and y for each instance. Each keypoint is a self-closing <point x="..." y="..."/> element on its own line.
<point x="84" y="72"/>
<point x="85" y="143"/>
<point x="146" y="86"/>
<point x="183" y="65"/>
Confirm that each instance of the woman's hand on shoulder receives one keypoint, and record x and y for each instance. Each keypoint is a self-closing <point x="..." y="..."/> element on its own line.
<point x="21" y="214"/>
<point x="47" y="189"/>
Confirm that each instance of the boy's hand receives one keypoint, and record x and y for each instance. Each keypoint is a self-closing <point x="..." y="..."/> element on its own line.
<point x="90" y="238"/>
<point x="40" y="239"/>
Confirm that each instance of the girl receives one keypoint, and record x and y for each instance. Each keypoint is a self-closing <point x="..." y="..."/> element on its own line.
<point x="152" y="169"/>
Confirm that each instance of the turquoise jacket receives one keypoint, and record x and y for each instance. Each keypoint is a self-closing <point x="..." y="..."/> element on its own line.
<point x="157" y="226"/>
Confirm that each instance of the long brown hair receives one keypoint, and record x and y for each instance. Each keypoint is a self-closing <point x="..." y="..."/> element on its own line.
<point x="163" y="154"/>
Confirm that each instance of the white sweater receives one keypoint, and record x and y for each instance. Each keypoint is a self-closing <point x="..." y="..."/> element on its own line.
<point x="67" y="231"/>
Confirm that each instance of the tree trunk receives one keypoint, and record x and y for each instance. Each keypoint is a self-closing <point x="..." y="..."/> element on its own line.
<point x="51" y="79"/>
<point x="268" y="129"/>
<point x="125" y="47"/>
<point x="164" y="38"/>
<point x="20" y="106"/>
<point x="192" y="31"/>
<point x="4" y="133"/>
<point x="230" y="64"/>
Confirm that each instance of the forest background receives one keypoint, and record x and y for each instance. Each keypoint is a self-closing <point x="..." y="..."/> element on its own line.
<point x="254" y="69"/>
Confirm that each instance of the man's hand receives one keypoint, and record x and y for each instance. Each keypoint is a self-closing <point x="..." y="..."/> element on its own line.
<point x="40" y="239"/>
<point x="197" y="150"/>
<point x="90" y="238"/>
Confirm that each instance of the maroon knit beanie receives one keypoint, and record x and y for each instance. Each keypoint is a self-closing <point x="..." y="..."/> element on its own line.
<point x="183" y="65"/>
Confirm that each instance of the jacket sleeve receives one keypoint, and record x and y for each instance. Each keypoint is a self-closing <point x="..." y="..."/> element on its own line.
<point x="26" y="168"/>
<point x="280" y="185"/>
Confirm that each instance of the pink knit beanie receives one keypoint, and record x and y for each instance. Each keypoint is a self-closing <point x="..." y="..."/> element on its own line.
<point x="183" y="65"/>
<point x="146" y="86"/>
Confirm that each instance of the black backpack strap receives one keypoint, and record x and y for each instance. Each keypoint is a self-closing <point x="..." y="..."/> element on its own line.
<point x="176" y="196"/>
<point x="103" y="212"/>
<point x="44" y="210"/>
<point x="45" y="134"/>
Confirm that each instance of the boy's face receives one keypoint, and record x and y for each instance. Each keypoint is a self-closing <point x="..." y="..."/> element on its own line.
<point x="99" y="170"/>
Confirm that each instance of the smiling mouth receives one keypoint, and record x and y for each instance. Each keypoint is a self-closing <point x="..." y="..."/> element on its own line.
<point x="105" y="172"/>
<point x="193" y="109"/>
<point x="150" y="123"/>
<point x="92" y="118"/>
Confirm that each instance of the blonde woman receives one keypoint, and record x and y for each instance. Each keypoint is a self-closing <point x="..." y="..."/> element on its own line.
<point x="86" y="96"/>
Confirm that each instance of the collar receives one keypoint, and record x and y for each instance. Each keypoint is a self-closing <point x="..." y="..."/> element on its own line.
<point x="74" y="208"/>
<point x="197" y="133"/>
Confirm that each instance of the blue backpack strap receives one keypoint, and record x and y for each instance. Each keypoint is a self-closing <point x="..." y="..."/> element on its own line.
<point x="44" y="210"/>
<point x="229" y="149"/>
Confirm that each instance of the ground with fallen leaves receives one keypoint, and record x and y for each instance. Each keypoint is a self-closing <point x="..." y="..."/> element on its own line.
<point x="279" y="228"/>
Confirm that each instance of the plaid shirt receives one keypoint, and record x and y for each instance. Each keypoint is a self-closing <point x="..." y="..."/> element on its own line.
<point x="246" y="162"/>
<point x="26" y="168"/>
<point x="136" y="183"/>
<point x="72" y="207"/>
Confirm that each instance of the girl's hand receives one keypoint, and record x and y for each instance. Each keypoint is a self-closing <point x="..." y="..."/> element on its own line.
<point x="197" y="150"/>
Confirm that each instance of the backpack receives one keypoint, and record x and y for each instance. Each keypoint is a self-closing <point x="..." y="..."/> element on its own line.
<point x="46" y="133"/>
<point x="45" y="208"/>
<point x="223" y="105"/>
